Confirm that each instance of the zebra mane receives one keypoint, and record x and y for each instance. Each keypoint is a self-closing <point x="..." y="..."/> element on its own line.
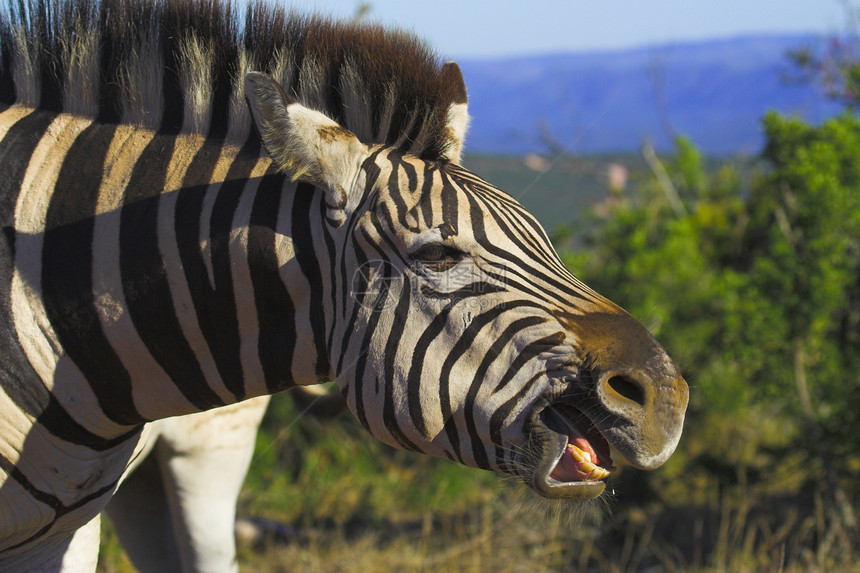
<point x="177" y="66"/>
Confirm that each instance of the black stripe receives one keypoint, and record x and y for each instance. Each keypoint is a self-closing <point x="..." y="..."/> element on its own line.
<point x="426" y="198"/>
<point x="67" y="286"/>
<point x="532" y="350"/>
<point x="494" y="352"/>
<point x="395" y="193"/>
<point x="411" y="187"/>
<point x="526" y="286"/>
<point x="486" y="243"/>
<point x="215" y="306"/>
<point x="398" y="327"/>
<point x="302" y="234"/>
<point x="497" y="202"/>
<point x="501" y="414"/>
<point x="534" y="264"/>
<point x="514" y="224"/>
<point x="436" y="327"/>
<point x="275" y="310"/>
<point x="369" y="329"/>
<point x="460" y="347"/>
<point x="380" y="229"/>
<point x="372" y="172"/>
<point x="40" y="496"/>
<point x="331" y="254"/>
<point x="45" y="498"/>
<point x="58" y="422"/>
<point x="223" y="334"/>
<point x="7" y="86"/>
<point x="464" y="343"/>
<point x="450" y="203"/>
<point x="48" y="499"/>
<point x="144" y="276"/>
<point x="361" y="286"/>
<point x="535" y="250"/>
<point x="413" y="379"/>
<point x="361" y="364"/>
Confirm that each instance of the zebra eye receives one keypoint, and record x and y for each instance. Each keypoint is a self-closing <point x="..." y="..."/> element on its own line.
<point x="438" y="257"/>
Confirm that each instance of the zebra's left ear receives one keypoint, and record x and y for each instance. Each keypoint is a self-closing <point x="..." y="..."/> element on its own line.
<point x="304" y="142"/>
<point x="458" y="113"/>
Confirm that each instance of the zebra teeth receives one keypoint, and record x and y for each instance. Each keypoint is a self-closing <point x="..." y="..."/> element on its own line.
<point x="579" y="455"/>
<point x="585" y="463"/>
<point x="592" y="471"/>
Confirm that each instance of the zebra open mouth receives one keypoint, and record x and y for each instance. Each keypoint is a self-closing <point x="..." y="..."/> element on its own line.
<point x="575" y="457"/>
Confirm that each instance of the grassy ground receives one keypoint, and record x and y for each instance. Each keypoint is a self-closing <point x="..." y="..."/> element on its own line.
<point x="505" y="538"/>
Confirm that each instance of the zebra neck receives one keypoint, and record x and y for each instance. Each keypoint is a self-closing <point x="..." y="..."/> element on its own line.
<point x="236" y="279"/>
<point x="156" y="275"/>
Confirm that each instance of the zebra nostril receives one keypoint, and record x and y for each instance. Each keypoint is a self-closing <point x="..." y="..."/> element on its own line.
<point x="627" y="388"/>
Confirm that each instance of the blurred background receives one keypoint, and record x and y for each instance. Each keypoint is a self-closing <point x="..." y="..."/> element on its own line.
<point x="697" y="162"/>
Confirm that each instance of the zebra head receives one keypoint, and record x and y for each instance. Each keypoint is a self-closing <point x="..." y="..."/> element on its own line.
<point x="454" y="328"/>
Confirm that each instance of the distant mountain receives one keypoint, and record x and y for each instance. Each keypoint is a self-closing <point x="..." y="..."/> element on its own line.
<point x="714" y="92"/>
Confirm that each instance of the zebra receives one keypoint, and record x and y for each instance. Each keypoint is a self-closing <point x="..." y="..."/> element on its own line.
<point x="198" y="209"/>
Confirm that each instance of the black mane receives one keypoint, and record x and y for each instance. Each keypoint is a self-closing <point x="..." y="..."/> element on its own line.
<point x="389" y="78"/>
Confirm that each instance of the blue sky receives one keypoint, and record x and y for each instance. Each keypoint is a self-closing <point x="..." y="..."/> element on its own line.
<point x="461" y="29"/>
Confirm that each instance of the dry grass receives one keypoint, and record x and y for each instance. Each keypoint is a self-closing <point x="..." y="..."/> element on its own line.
<point x="510" y="534"/>
<point x="741" y="543"/>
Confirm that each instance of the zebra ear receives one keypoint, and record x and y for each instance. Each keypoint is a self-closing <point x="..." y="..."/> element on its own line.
<point x="458" y="114"/>
<point x="302" y="141"/>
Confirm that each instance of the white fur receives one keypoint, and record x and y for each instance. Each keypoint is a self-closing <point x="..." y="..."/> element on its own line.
<point x="195" y="79"/>
<point x="25" y="68"/>
<point x="239" y="126"/>
<point x="281" y="68"/>
<point x="142" y="84"/>
<point x="83" y="552"/>
<point x="356" y="104"/>
<point x="81" y="82"/>
<point x="458" y="125"/>
<point x="311" y="89"/>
